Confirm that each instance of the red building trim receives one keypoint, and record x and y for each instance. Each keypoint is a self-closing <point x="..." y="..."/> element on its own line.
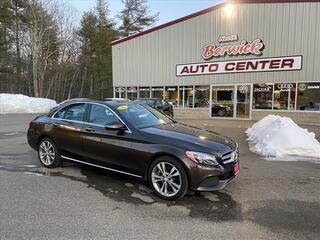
<point x="207" y="10"/>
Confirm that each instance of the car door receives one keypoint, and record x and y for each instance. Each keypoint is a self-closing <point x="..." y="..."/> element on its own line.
<point x="67" y="128"/>
<point x="109" y="148"/>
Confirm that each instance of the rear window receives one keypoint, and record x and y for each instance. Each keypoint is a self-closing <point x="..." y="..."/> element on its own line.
<point x="73" y="112"/>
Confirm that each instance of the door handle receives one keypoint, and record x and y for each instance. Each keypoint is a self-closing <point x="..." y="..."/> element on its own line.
<point x="89" y="129"/>
<point x="55" y="124"/>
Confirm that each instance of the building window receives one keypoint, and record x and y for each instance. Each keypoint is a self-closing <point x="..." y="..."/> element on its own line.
<point x="308" y="98"/>
<point x="144" y="92"/>
<point x="186" y="96"/>
<point x="171" y="95"/>
<point x="222" y="101"/>
<point x="262" y="96"/>
<point x="120" y="92"/>
<point x="156" y="92"/>
<point x="201" y="96"/>
<point x="284" y="96"/>
<point x="132" y="93"/>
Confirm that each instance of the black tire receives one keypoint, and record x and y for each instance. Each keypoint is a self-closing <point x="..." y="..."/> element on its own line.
<point x="184" y="183"/>
<point x="221" y="112"/>
<point x="55" y="160"/>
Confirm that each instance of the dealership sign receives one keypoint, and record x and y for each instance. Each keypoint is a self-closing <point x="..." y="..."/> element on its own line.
<point x="244" y="48"/>
<point x="238" y="66"/>
<point x="232" y="48"/>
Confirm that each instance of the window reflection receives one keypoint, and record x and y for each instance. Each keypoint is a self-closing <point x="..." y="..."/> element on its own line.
<point x="132" y="93"/>
<point x="156" y="92"/>
<point x="186" y="96"/>
<point x="308" y="98"/>
<point x="284" y="96"/>
<point x="201" y="96"/>
<point x="262" y="96"/>
<point x="171" y="95"/>
<point x="120" y="92"/>
<point x="144" y="92"/>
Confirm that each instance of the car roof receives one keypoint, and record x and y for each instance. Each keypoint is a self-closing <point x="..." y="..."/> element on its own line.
<point x="108" y="102"/>
<point x="118" y="103"/>
<point x="141" y="99"/>
<point x="117" y="99"/>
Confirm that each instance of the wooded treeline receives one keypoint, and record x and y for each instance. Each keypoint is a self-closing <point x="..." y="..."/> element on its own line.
<point x="43" y="54"/>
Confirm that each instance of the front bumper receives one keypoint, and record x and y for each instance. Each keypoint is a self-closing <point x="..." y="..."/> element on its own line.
<point x="215" y="184"/>
<point x="213" y="178"/>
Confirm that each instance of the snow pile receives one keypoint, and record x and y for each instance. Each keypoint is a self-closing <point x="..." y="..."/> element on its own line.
<point x="18" y="103"/>
<point x="275" y="136"/>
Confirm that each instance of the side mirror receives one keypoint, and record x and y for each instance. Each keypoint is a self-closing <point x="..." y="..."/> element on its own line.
<point x="115" y="126"/>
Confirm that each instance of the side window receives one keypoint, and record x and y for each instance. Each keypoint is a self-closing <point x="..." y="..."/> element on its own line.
<point x="75" y="112"/>
<point x="101" y="115"/>
<point x="60" y="113"/>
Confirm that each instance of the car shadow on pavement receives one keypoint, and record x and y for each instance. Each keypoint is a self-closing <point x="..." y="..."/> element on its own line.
<point x="217" y="206"/>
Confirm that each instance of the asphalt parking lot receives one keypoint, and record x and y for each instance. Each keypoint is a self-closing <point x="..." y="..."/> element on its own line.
<point x="268" y="200"/>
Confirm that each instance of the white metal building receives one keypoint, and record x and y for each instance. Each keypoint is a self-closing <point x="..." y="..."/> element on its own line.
<point x="241" y="59"/>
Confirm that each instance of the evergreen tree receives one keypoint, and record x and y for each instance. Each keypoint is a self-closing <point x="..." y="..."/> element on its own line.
<point x="96" y="33"/>
<point x="135" y="17"/>
<point x="87" y="35"/>
<point x="106" y="33"/>
<point x="11" y="21"/>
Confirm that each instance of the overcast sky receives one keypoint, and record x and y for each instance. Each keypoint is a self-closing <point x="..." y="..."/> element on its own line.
<point x="169" y="9"/>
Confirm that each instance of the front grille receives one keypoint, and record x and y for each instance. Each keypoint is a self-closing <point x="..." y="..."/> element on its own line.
<point x="230" y="157"/>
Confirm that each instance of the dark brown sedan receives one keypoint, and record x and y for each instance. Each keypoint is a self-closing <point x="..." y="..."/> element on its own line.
<point x="135" y="140"/>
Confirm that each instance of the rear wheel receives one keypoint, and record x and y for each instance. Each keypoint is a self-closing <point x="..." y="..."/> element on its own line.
<point x="168" y="178"/>
<point x="48" y="153"/>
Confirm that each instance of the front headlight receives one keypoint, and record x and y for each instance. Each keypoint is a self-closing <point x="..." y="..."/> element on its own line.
<point x="200" y="157"/>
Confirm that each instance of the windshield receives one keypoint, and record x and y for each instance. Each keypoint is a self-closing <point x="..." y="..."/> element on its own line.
<point x="142" y="116"/>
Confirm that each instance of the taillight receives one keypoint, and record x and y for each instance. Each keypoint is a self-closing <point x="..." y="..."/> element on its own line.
<point x="30" y="124"/>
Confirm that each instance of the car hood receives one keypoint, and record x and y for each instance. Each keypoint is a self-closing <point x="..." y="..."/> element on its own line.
<point x="192" y="138"/>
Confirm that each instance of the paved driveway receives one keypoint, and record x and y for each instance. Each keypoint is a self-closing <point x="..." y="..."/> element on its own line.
<point x="269" y="200"/>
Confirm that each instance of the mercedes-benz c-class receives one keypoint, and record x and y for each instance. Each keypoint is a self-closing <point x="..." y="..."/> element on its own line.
<point x="135" y="140"/>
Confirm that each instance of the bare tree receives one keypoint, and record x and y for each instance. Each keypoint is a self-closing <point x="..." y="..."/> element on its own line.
<point x="42" y="30"/>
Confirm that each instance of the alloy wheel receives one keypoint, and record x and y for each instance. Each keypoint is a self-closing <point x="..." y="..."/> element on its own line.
<point x="46" y="153"/>
<point x="166" y="179"/>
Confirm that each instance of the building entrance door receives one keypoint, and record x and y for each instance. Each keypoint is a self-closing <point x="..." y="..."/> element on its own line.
<point x="243" y="101"/>
<point x="222" y="101"/>
<point x="231" y="101"/>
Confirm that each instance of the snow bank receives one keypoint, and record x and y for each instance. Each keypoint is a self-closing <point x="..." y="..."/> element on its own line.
<point x="275" y="136"/>
<point x="18" y="103"/>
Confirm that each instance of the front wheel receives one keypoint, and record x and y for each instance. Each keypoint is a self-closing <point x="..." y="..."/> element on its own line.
<point x="48" y="153"/>
<point x="168" y="178"/>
